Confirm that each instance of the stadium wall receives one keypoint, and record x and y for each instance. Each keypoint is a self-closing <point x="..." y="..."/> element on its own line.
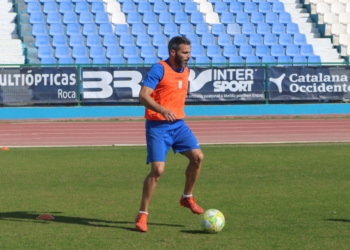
<point x="134" y="112"/>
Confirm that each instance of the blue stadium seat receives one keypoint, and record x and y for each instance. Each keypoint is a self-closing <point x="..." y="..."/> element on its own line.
<point x="138" y="28"/>
<point x="219" y="60"/>
<point x="240" y="40"/>
<point x="82" y="60"/>
<point x="235" y="60"/>
<point x="149" y="17"/>
<point x="194" y="39"/>
<point x="270" y="40"/>
<point x="53" y="17"/>
<point x="73" y="29"/>
<point x="100" y="60"/>
<point x="230" y="50"/>
<point x="117" y="60"/>
<point x="65" y="60"/>
<point x="130" y="51"/>
<point x="76" y="40"/>
<point x="81" y="7"/>
<point x="101" y="18"/>
<point x="255" y="40"/>
<point x="224" y="40"/>
<point x="39" y="29"/>
<point x="197" y="50"/>
<point x="45" y="51"/>
<point x="277" y="50"/>
<point x="144" y="7"/>
<point x="147" y="51"/>
<point x="268" y="59"/>
<point x="299" y="60"/>
<point x="159" y="7"/>
<point x="165" y="17"/>
<point x="246" y="50"/>
<point x="227" y="18"/>
<point x="66" y="7"/>
<point x="37" y="17"/>
<point x="306" y="50"/>
<point x="252" y="60"/>
<point x="262" y="50"/>
<point x="56" y="29"/>
<point x="284" y="60"/>
<point x="154" y="29"/>
<point x="186" y="29"/>
<point x="220" y="7"/>
<point x="271" y="18"/>
<point x="159" y="40"/>
<point x="202" y="29"/>
<point x="213" y="50"/>
<point x="97" y="7"/>
<point x="121" y="29"/>
<point x="106" y="29"/>
<point x="169" y="1"/>
<point x="233" y="29"/>
<point x="48" y="60"/>
<point x="278" y="29"/>
<point x="242" y="17"/>
<point x="314" y="60"/>
<point x="170" y="28"/>
<point x="256" y="18"/>
<point x="50" y="7"/>
<point x="285" y="17"/>
<point x="59" y="41"/>
<point x="292" y="50"/>
<point x="292" y="28"/>
<point x="180" y="17"/>
<point x="134" y="60"/>
<point x="285" y="39"/>
<point x="128" y="7"/>
<point x="299" y="39"/>
<point x="126" y="39"/>
<point x="143" y="40"/>
<point x="86" y="17"/>
<point x="218" y="29"/>
<point x="265" y="7"/>
<point x="248" y="29"/>
<point x="263" y="28"/>
<point x="97" y="51"/>
<point x="113" y="51"/>
<point x="202" y="60"/>
<point x="42" y="40"/>
<point x="93" y="40"/>
<point x="250" y="7"/>
<point x="208" y="39"/>
<point x="190" y="7"/>
<point x="62" y="51"/>
<point x="197" y="18"/>
<point x="162" y="52"/>
<point x="151" y="60"/>
<point x="90" y="29"/>
<point x="133" y="17"/>
<point x="174" y="7"/>
<point x="278" y="7"/>
<point x="236" y="7"/>
<point x="70" y="17"/>
<point x="33" y="7"/>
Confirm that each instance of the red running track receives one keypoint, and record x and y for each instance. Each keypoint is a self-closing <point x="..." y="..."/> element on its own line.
<point x="47" y="134"/>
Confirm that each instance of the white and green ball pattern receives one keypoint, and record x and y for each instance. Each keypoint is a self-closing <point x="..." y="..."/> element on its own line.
<point x="212" y="221"/>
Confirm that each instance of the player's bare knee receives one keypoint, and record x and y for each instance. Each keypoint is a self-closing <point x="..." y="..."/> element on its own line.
<point x="197" y="159"/>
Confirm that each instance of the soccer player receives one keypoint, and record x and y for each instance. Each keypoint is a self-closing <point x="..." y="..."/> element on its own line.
<point x="163" y="93"/>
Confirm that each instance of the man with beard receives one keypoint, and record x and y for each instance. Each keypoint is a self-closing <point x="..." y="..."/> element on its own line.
<point x="163" y="94"/>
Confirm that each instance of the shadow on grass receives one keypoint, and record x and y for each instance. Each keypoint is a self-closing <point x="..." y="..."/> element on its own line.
<point x="339" y="220"/>
<point x="31" y="216"/>
<point x="193" y="231"/>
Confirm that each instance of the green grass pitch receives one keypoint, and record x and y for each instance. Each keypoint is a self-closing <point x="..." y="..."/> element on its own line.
<point x="273" y="197"/>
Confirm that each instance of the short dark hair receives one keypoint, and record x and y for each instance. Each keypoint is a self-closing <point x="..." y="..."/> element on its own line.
<point x="176" y="41"/>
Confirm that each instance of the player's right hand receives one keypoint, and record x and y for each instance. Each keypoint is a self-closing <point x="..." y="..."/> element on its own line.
<point x="169" y="115"/>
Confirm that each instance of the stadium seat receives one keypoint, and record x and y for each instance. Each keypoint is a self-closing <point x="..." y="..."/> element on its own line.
<point x="292" y="28"/>
<point x="190" y="7"/>
<point x="86" y="17"/>
<point x="135" y="60"/>
<point x="62" y="51"/>
<point x="227" y="18"/>
<point x="147" y="51"/>
<point x="235" y="60"/>
<point x="242" y="17"/>
<point x="213" y="50"/>
<point x="220" y="60"/>
<point x="169" y="29"/>
<point x="196" y="18"/>
<point x="113" y="51"/>
<point x="306" y="50"/>
<point x="137" y="29"/>
<point x="179" y="18"/>
<point x="235" y="7"/>
<point x="278" y="29"/>
<point x="299" y="60"/>
<point x="246" y="50"/>
<point x="56" y="29"/>
<point x="144" y="7"/>
<point x="299" y="39"/>
<point x="264" y="7"/>
<point x="262" y="50"/>
<point x="128" y="7"/>
<point x="240" y="40"/>
<point x="149" y="17"/>
<point x="150" y="60"/>
<point x="97" y="7"/>
<point x="220" y="8"/>
<point x="118" y="18"/>
<point x="255" y="40"/>
<point x="101" y="18"/>
<point x="212" y="18"/>
<point x="39" y="29"/>
<point x="233" y="29"/>
<point x="285" y="18"/>
<point x="270" y="40"/>
<point x="163" y="53"/>
<point x="284" y="60"/>
<point x="66" y="7"/>
<point x="121" y="29"/>
<point x="202" y="60"/>
<point x="106" y="29"/>
<point x="117" y="60"/>
<point x="73" y="29"/>
<point x="81" y="7"/>
<point x="159" y="40"/>
<point x="154" y="29"/>
<point x="252" y="60"/>
<point x="277" y="50"/>
<point x="50" y="7"/>
<point x="194" y="39"/>
<point x="65" y="60"/>
<point x="70" y="17"/>
<point x="90" y="29"/>
<point x="285" y="39"/>
<point x="133" y="18"/>
<point x="208" y="39"/>
<point x="224" y="40"/>
<point x="76" y="40"/>
<point x="250" y="7"/>
<point x="248" y="29"/>
<point x="93" y="40"/>
<point x="37" y="17"/>
<point x="278" y="7"/>
<point x="230" y="50"/>
<point x="143" y="40"/>
<point x="45" y="51"/>
<point x="271" y="18"/>
<point x="292" y="50"/>
<point x="202" y="29"/>
<point x="256" y="18"/>
<point x="268" y="59"/>
<point x="48" y="60"/>
<point x="126" y="40"/>
<point x="314" y="60"/>
<point x="79" y="51"/>
<point x="97" y="51"/>
<point x="42" y="40"/>
<point x="263" y="28"/>
<point x="186" y="29"/>
<point x="217" y="29"/>
<point x="159" y="7"/>
<point x="197" y="50"/>
<point x="33" y="7"/>
<point x="175" y="7"/>
<point x="130" y="51"/>
<point x="100" y="60"/>
<point x="59" y="41"/>
<point x="82" y="60"/>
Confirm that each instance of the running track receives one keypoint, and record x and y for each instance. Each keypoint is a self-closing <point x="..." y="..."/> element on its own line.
<point x="231" y="131"/>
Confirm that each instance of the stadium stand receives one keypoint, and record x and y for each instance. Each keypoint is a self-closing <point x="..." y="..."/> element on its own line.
<point x="134" y="31"/>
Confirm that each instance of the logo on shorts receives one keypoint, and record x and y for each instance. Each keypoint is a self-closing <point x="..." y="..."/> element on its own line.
<point x="180" y="84"/>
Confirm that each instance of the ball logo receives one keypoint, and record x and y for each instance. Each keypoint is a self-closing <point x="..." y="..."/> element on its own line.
<point x="180" y="84"/>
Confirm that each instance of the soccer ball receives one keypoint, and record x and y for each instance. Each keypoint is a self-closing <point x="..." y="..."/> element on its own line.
<point x="212" y="221"/>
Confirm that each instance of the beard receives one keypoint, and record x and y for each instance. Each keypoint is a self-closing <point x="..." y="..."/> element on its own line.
<point x="180" y="62"/>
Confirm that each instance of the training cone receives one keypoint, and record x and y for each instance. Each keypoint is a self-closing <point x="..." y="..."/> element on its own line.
<point x="5" y="148"/>
<point x="45" y="217"/>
